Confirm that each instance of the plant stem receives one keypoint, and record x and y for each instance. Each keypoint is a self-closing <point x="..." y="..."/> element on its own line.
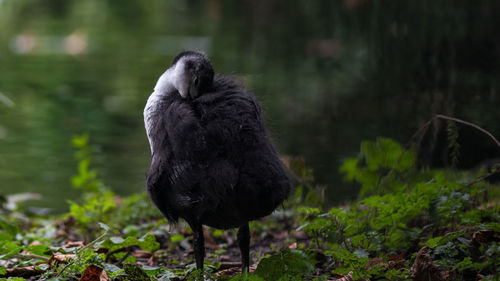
<point x="81" y="250"/>
<point x="31" y="256"/>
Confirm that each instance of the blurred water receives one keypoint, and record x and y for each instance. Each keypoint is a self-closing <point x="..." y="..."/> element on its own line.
<point x="328" y="74"/>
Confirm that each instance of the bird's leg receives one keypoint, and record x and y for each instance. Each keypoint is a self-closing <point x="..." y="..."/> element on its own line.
<point x="244" y="243"/>
<point x="199" y="244"/>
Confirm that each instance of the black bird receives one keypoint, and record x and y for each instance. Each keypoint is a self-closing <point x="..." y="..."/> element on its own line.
<point x="213" y="162"/>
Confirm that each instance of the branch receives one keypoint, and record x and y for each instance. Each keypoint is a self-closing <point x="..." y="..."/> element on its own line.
<point x="424" y="128"/>
<point x="31" y="256"/>
<point x="483" y="177"/>
<point x="468" y="124"/>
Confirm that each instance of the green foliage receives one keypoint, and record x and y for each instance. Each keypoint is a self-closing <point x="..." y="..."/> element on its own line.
<point x="147" y="243"/>
<point x="307" y="192"/>
<point x="96" y="209"/>
<point x="405" y="208"/>
<point x="135" y="273"/>
<point x="285" y="265"/>
<point x="442" y="240"/>
<point x="86" y="179"/>
<point x="246" y="277"/>
<point x="8" y="229"/>
<point x="375" y="161"/>
<point x="100" y="203"/>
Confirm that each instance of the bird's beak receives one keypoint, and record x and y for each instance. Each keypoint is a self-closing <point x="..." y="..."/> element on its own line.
<point x="188" y="91"/>
<point x="184" y="88"/>
<point x="188" y="87"/>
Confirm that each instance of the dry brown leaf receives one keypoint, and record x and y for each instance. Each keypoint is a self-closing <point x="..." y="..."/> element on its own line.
<point x="209" y="240"/>
<point x="423" y="269"/>
<point x="94" y="273"/>
<point x="489" y="205"/>
<point x="232" y="271"/>
<point x="377" y="261"/>
<point x="23" y="271"/>
<point x="278" y="235"/>
<point x="142" y="254"/>
<point x="230" y="264"/>
<point x="347" y="277"/>
<point x="72" y="244"/>
<point x="301" y="235"/>
<point x="485" y="236"/>
<point x="58" y="259"/>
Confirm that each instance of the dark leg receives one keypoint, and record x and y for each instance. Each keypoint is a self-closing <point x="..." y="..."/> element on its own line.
<point x="244" y="243"/>
<point x="198" y="244"/>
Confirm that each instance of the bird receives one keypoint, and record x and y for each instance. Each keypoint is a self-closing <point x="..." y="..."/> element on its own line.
<point x="213" y="162"/>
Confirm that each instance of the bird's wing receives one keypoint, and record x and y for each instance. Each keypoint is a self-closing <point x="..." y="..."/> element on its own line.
<point x="233" y="124"/>
<point x="186" y="136"/>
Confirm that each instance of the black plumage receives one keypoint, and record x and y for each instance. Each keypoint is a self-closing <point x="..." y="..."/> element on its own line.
<point x="213" y="162"/>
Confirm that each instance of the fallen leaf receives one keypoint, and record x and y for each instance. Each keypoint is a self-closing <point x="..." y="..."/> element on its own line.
<point x="142" y="254"/>
<point x="485" y="236"/>
<point x="423" y="269"/>
<point x="72" y="244"/>
<point x="209" y="240"/>
<point x="489" y="205"/>
<point x="278" y="235"/>
<point x="301" y="235"/>
<point x="377" y="261"/>
<point x="58" y="259"/>
<point x="232" y="271"/>
<point x="230" y="264"/>
<point x="94" y="273"/>
<point x="23" y="271"/>
<point x="347" y="277"/>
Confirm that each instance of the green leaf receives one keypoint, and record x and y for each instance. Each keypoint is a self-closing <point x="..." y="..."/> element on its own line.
<point x="12" y="230"/>
<point x="104" y="226"/>
<point x="135" y="273"/>
<point x="3" y="270"/>
<point x="361" y="253"/>
<point x="4" y="236"/>
<point x="147" y="243"/>
<point x="442" y="240"/>
<point x="151" y="270"/>
<point x="41" y="250"/>
<point x="350" y="169"/>
<point x="247" y="277"/>
<point x="8" y="249"/>
<point x="80" y="141"/>
<point x="176" y="238"/>
<point x="286" y="263"/>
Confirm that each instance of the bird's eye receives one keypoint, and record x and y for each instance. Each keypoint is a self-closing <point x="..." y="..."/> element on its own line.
<point x="195" y="81"/>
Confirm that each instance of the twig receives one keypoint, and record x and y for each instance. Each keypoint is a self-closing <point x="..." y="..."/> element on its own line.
<point x="81" y="250"/>
<point x="426" y="126"/>
<point x="481" y="178"/>
<point x="407" y="146"/>
<point x="31" y="256"/>
<point x="469" y="124"/>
